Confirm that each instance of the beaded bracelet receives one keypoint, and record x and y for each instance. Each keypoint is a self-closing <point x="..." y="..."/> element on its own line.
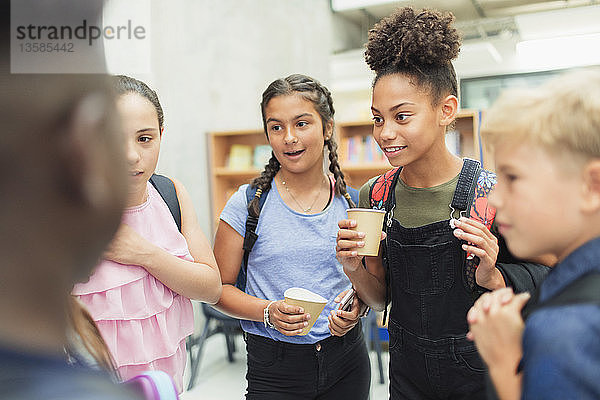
<point x="266" y="319"/>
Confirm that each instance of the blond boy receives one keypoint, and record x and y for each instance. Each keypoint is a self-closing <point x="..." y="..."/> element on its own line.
<point x="546" y="144"/>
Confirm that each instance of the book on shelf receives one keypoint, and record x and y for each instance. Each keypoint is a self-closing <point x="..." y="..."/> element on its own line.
<point x="375" y="153"/>
<point x="363" y="149"/>
<point x="354" y="149"/>
<point x="368" y="154"/>
<point x="240" y="157"/>
<point x="262" y="155"/>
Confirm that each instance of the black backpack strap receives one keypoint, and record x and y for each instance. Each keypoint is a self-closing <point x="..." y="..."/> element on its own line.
<point x="465" y="187"/>
<point x="166" y="188"/>
<point x="250" y="235"/>
<point x="585" y="289"/>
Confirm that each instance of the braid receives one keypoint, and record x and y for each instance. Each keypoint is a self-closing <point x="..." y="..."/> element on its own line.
<point x="328" y="97"/>
<point x="334" y="167"/>
<point x="263" y="183"/>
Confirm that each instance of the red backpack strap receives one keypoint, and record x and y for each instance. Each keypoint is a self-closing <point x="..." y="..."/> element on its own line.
<point x="379" y="198"/>
<point x="480" y="209"/>
<point x="381" y="188"/>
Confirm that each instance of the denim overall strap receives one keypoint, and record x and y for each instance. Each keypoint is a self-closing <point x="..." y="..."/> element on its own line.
<point x="465" y="187"/>
<point x="461" y="201"/>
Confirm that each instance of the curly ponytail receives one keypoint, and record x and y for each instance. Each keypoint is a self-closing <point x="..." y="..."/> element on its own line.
<point x="421" y="44"/>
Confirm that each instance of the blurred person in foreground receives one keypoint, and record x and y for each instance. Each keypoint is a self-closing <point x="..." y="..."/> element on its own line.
<point x="62" y="192"/>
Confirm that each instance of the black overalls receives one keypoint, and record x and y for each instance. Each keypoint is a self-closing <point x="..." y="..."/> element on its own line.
<point x="430" y="358"/>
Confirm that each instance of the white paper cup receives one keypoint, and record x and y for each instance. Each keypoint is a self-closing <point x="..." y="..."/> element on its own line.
<point x="370" y="222"/>
<point x="312" y="304"/>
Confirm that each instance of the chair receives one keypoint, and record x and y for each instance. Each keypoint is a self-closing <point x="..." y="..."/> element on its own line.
<point x="371" y="334"/>
<point x="216" y="322"/>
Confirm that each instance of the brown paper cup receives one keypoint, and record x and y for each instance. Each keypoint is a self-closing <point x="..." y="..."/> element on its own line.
<point x="370" y="222"/>
<point x="312" y="304"/>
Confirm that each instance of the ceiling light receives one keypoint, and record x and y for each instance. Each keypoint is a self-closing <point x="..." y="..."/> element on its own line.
<point x="563" y="22"/>
<point x="559" y="52"/>
<point x="346" y="5"/>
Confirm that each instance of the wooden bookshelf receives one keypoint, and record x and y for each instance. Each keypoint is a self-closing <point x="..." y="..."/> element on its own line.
<point x="225" y="180"/>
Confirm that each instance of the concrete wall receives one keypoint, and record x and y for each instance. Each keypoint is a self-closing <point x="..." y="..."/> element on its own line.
<point x="212" y="59"/>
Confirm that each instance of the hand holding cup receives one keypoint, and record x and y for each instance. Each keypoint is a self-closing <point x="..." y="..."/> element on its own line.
<point x="358" y="236"/>
<point x="289" y="320"/>
<point x="305" y="301"/>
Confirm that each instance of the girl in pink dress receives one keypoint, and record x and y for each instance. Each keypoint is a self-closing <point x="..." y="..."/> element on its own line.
<point x="139" y="295"/>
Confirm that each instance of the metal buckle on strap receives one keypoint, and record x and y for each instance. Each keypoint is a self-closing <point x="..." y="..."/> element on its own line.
<point x="390" y="216"/>
<point x="452" y="219"/>
<point x="470" y="256"/>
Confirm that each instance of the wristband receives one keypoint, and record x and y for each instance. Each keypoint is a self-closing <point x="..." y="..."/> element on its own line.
<point x="266" y="319"/>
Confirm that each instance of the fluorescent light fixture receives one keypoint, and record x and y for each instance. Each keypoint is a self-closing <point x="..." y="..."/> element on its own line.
<point x="563" y="22"/>
<point x="346" y="5"/>
<point x="560" y="51"/>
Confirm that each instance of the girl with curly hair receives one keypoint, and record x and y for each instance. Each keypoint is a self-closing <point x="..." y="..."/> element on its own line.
<point x="424" y="268"/>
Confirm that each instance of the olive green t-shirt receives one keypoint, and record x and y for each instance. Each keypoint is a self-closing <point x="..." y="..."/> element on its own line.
<point x="420" y="206"/>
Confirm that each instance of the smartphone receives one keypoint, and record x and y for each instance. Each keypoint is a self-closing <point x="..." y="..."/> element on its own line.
<point x="347" y="300"/>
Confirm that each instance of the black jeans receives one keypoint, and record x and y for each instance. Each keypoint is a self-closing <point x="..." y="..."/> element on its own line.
<point x="335" y="368"/>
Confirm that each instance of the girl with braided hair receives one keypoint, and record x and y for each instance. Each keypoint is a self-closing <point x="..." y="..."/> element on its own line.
<point x="295" y="247"/>
<point x="426" y="272"/>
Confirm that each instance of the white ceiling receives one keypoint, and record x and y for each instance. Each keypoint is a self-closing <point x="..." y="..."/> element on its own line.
<point x="475" y="18"/>
<point x="500" y="37"/>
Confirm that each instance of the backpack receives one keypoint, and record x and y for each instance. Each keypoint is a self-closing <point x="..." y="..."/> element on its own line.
<point x="251" y="236"/>
<point x="583" y="290"/>
<point x="165" y="187"/>
<point x="470" y="199"/>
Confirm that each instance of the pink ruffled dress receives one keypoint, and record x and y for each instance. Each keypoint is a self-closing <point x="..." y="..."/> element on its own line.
<point x="143" y="322"/>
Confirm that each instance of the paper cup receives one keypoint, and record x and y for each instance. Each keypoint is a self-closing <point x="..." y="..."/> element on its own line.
<point x="370" y="222"/>
<point x="312" y="304"/>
